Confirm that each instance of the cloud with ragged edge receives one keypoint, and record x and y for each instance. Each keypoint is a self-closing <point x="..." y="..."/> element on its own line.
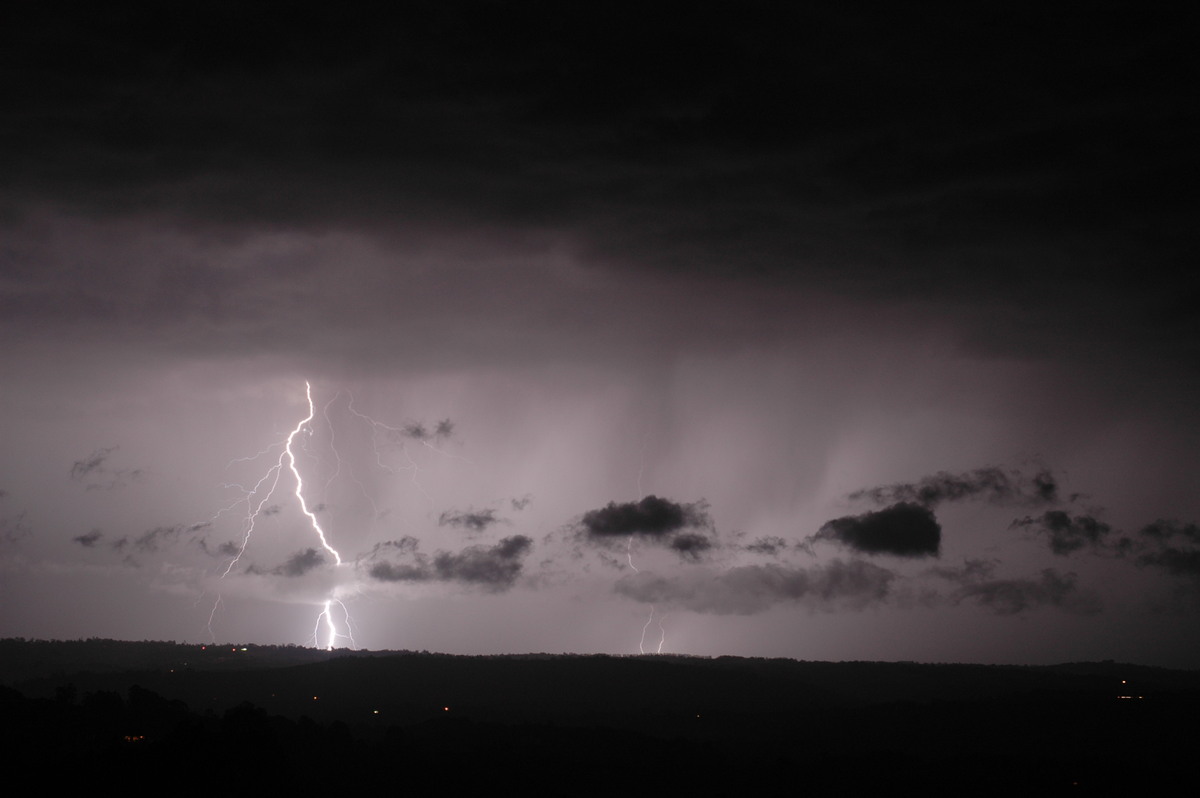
<point x="12" y="527"/>
<point x="1011" y="596"/>
<point x="990" y="484"/>
<point x="749" y="589"/>
<point x="902" y="530"/>
<point x="1067" y="534"/>
<point x="88" y="539"/>
<point x="94" y="473"/>
<point x="472" y="521"/>
<point x="681" y="527"/>
<point x="1166" y="544"/>
<point x="492" y="568"/>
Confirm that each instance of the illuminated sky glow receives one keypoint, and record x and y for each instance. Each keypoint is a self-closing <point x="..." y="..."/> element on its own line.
<point x="863" y="337"/>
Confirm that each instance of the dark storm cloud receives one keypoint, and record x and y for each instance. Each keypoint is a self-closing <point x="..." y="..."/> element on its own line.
<point x="1012" y="596"/>
<point x="494" y="568"/>
<point x="991" y="484"/>
<point x="1051" y="181"/>
<point x="300" y="563"/>
<point x="650" y="517"/>
<point x="88" y="539"/>
<point x="1068" y="534"/>
<point x="905" y="530"/>
<point x="749" y="589"/>
<point x="675" y="525"/>
<point x="471" y="520"/>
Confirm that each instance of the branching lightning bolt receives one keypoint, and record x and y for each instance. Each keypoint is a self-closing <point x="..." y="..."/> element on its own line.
<point x="255" y="509"/>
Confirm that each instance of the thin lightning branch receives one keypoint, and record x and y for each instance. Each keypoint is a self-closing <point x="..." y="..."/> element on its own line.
<point x="662" y="637"/>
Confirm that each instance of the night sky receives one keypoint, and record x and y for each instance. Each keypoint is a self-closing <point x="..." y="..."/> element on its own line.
<point x="761" y="329"/>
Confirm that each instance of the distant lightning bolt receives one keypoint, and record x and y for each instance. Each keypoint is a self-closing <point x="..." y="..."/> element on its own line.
<point x="662" y="638"/>
<point x="629" y="557"/>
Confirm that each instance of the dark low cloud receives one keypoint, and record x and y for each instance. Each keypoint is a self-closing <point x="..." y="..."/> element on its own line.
<point x="471" y="520"/>
<point x="770" y="545"/>
<point x="1012" y="596"/>
<point x="676" y="525"/>
<point x="300" y="563"/>
<point x="691" y="545"/>
<point x="1172" y="546"/>
<point x="88" y="539"/>
<point x="990" y="484"/>
<point x="650" y="517"/>
<point x="494" y="568"/>
<point x="521" y="502"/>
<point x="418" y="431"/>
<point x="904" y="530"/>
<point x="1068" y="534"/>
<point x="749" y="589"/>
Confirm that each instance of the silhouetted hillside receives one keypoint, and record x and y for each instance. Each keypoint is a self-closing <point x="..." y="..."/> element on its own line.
<point x="286" y="716"/>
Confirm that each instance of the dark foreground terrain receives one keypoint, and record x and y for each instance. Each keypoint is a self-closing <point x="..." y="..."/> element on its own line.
<point x="188" y="719"/>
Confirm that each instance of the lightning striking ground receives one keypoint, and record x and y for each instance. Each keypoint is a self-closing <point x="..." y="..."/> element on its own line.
<point x="257" y="497"/>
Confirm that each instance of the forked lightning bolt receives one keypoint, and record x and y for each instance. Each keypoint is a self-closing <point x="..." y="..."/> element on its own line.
<point x="254" y="510"/>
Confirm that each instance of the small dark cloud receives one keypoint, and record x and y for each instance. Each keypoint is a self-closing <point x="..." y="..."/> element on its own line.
<point x="521" y="503"/>
<point x="88" y="539"/>
<point x="675" y="525"/>
<point x="904" y="529"/>
<point x="151" y="539"/>
<point x="754" y="588"/>
<point x="1012" y="596"/>
<point x="1068" y="534"/>
<point x="495" y="568"/>
<point x="769" y="545"/>
<point x="417" y="431"/>
<point x="471" y="520"/>
<point x="991" y="484"/>
<point x="274" y="509"/>
<point x="691" y="545"/>
<point x="405" y="545"/>
<point x="300" y="563"/>
<point x="650" y="517"/>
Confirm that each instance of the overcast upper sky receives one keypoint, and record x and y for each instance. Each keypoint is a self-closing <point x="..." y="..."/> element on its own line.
<point x="762" y="328"/>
